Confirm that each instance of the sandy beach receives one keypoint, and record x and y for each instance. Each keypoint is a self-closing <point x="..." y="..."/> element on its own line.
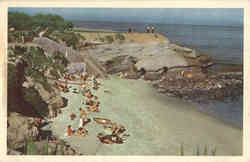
<point x="157" y="124"/>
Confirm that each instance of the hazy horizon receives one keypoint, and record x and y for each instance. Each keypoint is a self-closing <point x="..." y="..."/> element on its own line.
<point x="187" y="16"/>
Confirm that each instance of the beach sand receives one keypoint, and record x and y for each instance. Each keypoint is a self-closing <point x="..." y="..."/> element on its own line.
<point x="157" y="124"/>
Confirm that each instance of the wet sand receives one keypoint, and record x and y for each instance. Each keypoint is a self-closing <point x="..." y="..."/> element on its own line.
<point x="157" y="124"/>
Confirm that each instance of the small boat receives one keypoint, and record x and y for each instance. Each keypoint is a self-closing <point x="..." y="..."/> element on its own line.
<point x="102" y="121"/>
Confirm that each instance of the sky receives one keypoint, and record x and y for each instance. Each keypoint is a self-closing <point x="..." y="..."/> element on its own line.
<point x="195" y="16"/>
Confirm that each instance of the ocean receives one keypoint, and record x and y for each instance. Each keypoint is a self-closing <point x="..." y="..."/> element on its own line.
<point x="223" y="43"/>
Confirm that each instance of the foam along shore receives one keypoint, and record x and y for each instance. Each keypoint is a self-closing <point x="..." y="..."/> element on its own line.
<point x="157" y="124"/>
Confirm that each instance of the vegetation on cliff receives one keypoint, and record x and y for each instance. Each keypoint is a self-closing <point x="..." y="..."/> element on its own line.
<point x="22" y="21"/>
<point x="23" y="28"/>
<point x="34" y="64"/>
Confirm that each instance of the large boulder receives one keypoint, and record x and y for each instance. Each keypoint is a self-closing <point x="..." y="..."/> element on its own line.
<point x="122" y="63"/>
<point x="193" y="54"/>
<point x="76" y="67"/>
<point x="151" y="76"/>
<point x="13" y="152"/>
<point x="17" y="130"/>
<point x="156" y="62"/>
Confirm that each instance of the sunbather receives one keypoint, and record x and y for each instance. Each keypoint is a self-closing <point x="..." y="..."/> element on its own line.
<point x="89" y="102"/>
<point x="69" y="130"/>
<point x="83" y="113"/>
<point x="109" y="139"/>
<point x="89" y="95"/>
<point x="72" y="116"/>
<point x="93" y="108"/>
<point x="81" y="131"/>
<point x="121" y="75"/>
<point x="96" y="102"/>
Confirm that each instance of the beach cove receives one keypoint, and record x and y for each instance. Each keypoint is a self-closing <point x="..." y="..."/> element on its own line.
<point x="153" y="100"/>
<point x="157" y="124"/>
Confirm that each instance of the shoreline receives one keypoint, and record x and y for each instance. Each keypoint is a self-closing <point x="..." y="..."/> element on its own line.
<point x="173" y="106"/>
<point x="218" y="117"/>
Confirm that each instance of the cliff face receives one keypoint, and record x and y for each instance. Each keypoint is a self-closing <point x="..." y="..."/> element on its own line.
<point x="72" y="55"/>
<point x="30" y="95"/>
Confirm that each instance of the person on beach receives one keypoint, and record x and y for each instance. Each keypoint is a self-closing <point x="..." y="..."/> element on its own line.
<point x="96" y="102"/>
<point x="83" y="77"/>
<point x="89" y="95"/>
<point x="34" y="132"/>
<point x="81" y="132"/>
<point x="83" y="113"/>
<point x="93" y="108"/>
<point x="89" y="84"/>
<point x="37" y="121"/>
<point x="109" y="139"/>
<point x="89" y="101"/>
<point x="81" y="122"/>
<point x="122" y="75"/>
<point x="69" y="130"/>
<point x="119" y="131"/>
<point x="72" y="116"/>
<point x="83" y="117"/>
<point x="84" y="89"/>
<point x="95" y="85"/>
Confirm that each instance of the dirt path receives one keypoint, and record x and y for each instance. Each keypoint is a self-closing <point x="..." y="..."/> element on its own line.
<point x="157" y="124"/>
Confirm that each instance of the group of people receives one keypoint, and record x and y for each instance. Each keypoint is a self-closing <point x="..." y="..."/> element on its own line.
<point x="81" y="131"/>
<point x="131" y="30"/>
<point x="114" y="137"/>
<point x="149" y="29"/>
<point x="91" y="102"/>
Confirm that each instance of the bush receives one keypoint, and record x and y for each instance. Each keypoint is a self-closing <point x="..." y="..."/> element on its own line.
<point x="30" y="147"/>
<point x="46" y="148"/>
<point x="197" y="151"/>
<point x="109" y="38"/>
<point x="38" y="22"/>
<point x="120" y="37"/>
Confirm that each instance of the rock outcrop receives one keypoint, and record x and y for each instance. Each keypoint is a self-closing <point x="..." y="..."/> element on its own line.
<point x="213" y="87"/>
<point x="17" y="130"/>
<point x="73" y="56"/>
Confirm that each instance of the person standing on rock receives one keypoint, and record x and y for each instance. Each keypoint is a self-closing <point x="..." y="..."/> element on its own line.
<point x="129" y="30"/>
<point x="152" y="29"/>
<point x="147" y="29"/>
<point x="35" y="132"/>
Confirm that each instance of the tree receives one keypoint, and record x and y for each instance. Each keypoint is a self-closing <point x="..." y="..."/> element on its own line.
<point x="20" y="21"/>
